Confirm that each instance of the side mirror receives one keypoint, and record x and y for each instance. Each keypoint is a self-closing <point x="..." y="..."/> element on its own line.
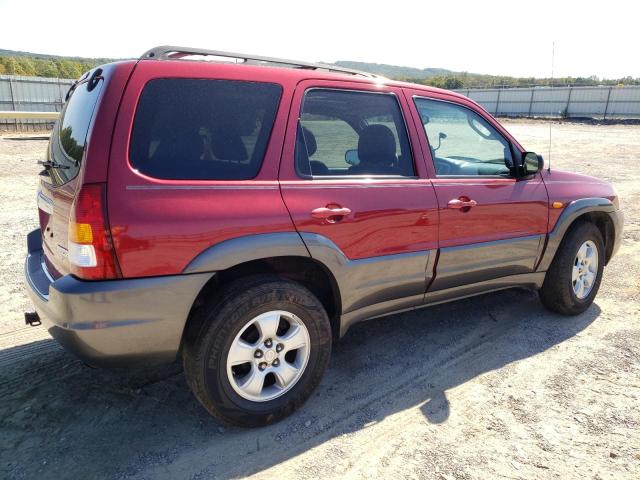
<point x="532" y="163"/>
<point x="351" y="157"/>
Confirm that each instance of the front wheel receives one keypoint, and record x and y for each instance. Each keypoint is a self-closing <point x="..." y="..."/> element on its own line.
<point x="262" y="349"/>
<point x="573" y="280"/>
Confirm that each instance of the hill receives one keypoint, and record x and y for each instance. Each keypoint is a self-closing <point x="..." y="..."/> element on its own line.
<point x="14" y="62"/>
<point x="394" y="71"/>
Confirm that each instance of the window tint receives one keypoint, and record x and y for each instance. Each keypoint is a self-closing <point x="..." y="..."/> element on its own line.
<point x="351" y="133"/>
<point x="70" y="135"/>
<point x="462" y="142"/>
<point x="192" y="129"/>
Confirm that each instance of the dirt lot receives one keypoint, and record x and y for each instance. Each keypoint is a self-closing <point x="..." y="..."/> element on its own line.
<point x="490" y="387"/>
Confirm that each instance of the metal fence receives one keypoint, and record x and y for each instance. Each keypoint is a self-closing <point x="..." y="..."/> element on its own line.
<point x="31" y="94"/>
<point x="592" y="102"/>
<point x="19" y="93"/>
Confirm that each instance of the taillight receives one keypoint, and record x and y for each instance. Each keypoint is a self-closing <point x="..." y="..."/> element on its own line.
<point x="91" y="253"/>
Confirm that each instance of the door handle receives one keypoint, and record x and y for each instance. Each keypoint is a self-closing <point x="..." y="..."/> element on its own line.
<point x="462" y="203"/>
<point x="331" y="215"/>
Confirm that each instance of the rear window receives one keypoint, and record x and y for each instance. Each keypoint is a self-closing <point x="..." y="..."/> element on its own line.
<point x="69" y="138"/>
<point x="188" y="129"/>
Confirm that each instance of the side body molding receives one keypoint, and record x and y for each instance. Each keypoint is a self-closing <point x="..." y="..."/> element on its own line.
<point x="244" y="249"/>
<point x="570" y="213"/>
<point x="373" y="286"/>
<point x="477" y="262"/>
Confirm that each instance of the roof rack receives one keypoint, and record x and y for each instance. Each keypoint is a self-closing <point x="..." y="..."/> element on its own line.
<point x="171" y="52"/>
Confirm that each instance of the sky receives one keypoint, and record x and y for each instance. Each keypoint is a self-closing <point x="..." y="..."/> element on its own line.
<point x="482" y="36"/>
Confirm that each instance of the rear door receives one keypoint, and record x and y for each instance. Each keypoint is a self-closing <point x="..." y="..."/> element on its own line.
<point x="58" y="181"/>
<point x="491" y="224"/>
<point x="356" y="193"/>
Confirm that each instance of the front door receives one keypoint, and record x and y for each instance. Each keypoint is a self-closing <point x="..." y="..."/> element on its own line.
<point x="491" y="224"/>
<point x="356" y="194"/>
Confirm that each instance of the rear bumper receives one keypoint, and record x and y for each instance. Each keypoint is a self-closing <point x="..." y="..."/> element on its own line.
<point x="115" y="322"/>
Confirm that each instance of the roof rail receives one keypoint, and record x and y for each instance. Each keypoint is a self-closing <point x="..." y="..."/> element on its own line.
<point x="171" y="52"/>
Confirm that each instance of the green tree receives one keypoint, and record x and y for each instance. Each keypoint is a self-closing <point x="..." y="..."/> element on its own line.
<point x="13" y="67"/>
<point x="46" y="68"/>
<point x="451" y="83"/>
<point x="28" y="66"/>
<point x="68" y="68"/>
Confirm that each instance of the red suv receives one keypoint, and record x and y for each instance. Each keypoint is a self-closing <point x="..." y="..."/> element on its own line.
<point x="244" y="215"/>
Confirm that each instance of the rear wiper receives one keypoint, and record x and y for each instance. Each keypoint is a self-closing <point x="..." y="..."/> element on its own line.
<point x="52" y="164"/>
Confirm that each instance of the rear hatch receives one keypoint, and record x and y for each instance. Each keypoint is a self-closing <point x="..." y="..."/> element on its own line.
<point x="61" y="178"/>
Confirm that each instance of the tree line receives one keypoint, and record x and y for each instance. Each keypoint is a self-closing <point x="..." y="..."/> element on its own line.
<point x="46" y="67"/>
<point x="472" y="80"/>
<point x="60" y="67"/>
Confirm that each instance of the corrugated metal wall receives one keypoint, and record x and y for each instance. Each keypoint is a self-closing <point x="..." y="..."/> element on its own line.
<point x="593" y="102"/>
<point x="31" y="94"/>
<point x="47" y="95"/>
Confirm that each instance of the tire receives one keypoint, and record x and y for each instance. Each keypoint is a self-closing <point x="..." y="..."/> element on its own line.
<point x="244" y="309"/>
<point x="558" y="293"/>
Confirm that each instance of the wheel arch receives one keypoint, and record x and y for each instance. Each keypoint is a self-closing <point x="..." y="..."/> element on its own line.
<point x="280" y="254"/>
<point x="593" y="210"/>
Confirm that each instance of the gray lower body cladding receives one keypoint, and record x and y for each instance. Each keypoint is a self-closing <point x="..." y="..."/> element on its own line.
<point x="112" y="323"/>
<point x="122" y="322"/>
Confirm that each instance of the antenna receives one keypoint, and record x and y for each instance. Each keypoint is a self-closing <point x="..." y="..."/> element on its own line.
<point x="553" y="54"/>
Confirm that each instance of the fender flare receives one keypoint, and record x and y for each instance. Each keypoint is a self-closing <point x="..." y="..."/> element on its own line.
<point x="235" y="251"/>
<point x="571" y="212"/>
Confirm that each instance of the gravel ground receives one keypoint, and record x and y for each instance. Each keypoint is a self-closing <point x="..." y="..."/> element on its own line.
<point x="488" y="387"/>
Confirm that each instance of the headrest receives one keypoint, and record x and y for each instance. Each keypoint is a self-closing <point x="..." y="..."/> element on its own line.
<point x="226" y="144"/>
<point x="377" y="145"/>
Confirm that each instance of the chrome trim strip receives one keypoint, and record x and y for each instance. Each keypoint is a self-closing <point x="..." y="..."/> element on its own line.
<point x="44" y="203"/>
<point x="201" y="187"/>
<point x="555" y="182"/>
<point x="483" y="184"/>
<point x="45" y="269"/>
<point x="356" y="185"/>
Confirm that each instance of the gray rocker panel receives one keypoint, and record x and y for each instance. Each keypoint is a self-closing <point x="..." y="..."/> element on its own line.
<point x="527" y="280"/>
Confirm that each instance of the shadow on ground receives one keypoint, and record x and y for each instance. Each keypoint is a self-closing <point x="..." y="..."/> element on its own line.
<point x="62" y="419"/>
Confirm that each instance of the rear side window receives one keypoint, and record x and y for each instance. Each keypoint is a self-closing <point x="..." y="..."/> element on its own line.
<point x="347" y="133"/>
<point x="188" y="129"/>
<point x="69" y="138"/>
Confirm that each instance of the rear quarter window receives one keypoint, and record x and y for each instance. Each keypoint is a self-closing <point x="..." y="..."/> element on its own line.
<point x="191" y="129"/>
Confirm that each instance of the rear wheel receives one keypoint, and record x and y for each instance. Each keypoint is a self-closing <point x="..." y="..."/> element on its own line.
<point x="573" y="280"/>
<point x="261" y="350"/>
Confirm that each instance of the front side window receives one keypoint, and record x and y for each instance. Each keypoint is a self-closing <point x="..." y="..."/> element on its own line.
<point x="462" y="142"/>
<point x="346" y="133"/>
<point x="189" y="129"/>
